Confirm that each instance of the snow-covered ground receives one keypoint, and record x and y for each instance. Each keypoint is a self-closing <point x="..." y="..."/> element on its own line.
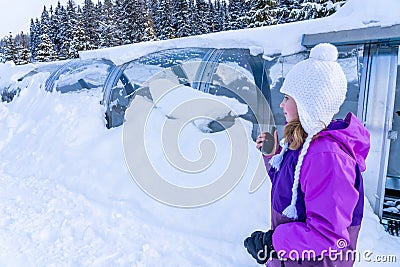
<point x="67" y="197"/>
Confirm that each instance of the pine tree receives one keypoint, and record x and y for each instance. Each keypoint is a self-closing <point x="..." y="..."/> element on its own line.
<point x="128" y="21"/>
<point x="182" y="23"/>
<point x="45" y="20"/>
<point x="149" y="29"/>
<point x="90" y="23"/>
<point x="35" y="33"/>
<point x="226" y="16"/>
<point x="269" y="12"/>
<point x="69" y="22"/>
<point x="313" y="9"/>
<point x="235" y="13"/>
<point x="164" y="23"/>
<point x="218" y="17"/>
<point x="108" y="29"/>
<point x="140" y="11"/>
<point x="264" y="13"/>
<point x="2" y="45"/>
<point x="202" y="24"/>
<point x="10" y="50"/>
<point x="57" y="30"/>
<point x="80" y="42"/>
<point x="153" y="7"/>
<point x="52" y="30"/>
<point x="45" y="51"/>
<point x="23" y="55"/>
<point x="118" y="18"/>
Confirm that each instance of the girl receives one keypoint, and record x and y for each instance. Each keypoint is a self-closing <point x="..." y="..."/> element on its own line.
<point x="317" y="189"/>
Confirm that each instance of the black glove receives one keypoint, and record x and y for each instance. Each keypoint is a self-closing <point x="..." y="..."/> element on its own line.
<point x="259" y="245"/>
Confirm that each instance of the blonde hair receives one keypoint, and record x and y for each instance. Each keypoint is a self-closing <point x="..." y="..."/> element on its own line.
<point x="294" y="134"/>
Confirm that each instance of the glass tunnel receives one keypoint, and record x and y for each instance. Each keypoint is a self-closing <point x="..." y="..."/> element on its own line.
<point x="65" y="76"/>
<point x="267" y="75"/>
<point x="121" y="83"/>
<point x="75" y="75"/>
<point x="124" y="81"/>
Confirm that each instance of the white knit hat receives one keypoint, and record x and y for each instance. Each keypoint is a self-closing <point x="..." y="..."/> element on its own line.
<point x="318" y="86"/>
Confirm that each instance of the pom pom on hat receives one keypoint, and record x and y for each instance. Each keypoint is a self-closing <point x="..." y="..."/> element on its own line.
<point x="325" y="52"/>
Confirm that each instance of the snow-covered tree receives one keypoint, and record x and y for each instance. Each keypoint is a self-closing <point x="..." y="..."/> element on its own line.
<point x="45" y="20"/>
<point x="108" y="28"/>
<point x="114" y="22"/>
<point x="118" y="17"/>
<point x="23" y="54"/>
<point x="2" y="45"/>
<point x="269" y="12"/>
<point x="263" y="13"/>
<point x="69" y="21"/>
<point x="237" y="10"/>
<point x="57" y="30"/>
<point x="201" y="19"/>
<point x="313" y="9"/>
<point x="218" y="17"/>
<point x="90" y="22"/>
<point x="35" y="32"/>
<point x="181" y="15"/>
<point x="80" y="42"/>
<point x="140" y="21"/>
<point x="10" y="49"/>
<point x="149" y="29"/>
<point x="128" y="21"/>
<point x="45" y="50"/>
<point x="164" y="23"/>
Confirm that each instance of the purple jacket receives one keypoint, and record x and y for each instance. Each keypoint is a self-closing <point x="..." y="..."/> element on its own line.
<point x="330" y="195"/>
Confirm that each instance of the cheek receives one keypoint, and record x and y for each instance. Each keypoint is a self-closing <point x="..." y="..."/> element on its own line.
<point x="291" y="108"/>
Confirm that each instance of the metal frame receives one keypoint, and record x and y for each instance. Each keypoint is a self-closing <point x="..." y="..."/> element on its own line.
<point x="380" y="84"/>
<point x="370" y="35"/>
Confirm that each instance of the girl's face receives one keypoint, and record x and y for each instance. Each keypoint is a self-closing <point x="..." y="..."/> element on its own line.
<point x="289" y="108"/>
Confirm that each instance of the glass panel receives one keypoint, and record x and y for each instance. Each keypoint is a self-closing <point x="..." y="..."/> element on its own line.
<point x="350" y="58"/>
<point x="44" y="68"/>
<point x="202" y="70"/>
<point x="394" y="154"/>
<point x="79" y="74"/>
<point x="391" y="202"/>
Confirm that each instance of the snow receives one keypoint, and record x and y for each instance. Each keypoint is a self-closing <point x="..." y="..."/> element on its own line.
<point x="67" y="197"/>
<point x="9" y="72"/>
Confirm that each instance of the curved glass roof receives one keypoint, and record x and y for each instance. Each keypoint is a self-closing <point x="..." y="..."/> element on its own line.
<point x="203" y="74"/>
<point x="8" y="93"/>
<point x="79" y="74"/>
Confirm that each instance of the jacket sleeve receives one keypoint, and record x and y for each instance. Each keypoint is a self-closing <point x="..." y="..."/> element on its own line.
<point x="327" y="180"/>
<point x="270" y="171"/>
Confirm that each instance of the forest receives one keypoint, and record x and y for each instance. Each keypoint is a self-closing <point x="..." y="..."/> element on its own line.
<point x="62" y="31"/>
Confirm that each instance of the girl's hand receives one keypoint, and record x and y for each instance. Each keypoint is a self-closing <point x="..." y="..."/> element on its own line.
<point x="267" y="143"/>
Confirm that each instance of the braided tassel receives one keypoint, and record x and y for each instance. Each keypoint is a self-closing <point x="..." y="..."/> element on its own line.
<point x="276" y="160"/>
<point x="290" y="211"/>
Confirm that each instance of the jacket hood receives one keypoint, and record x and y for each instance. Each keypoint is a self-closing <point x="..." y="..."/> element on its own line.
<point x="352" y="136"/>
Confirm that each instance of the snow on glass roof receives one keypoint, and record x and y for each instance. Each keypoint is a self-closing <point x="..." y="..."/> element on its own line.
<point x="284" y="39"/>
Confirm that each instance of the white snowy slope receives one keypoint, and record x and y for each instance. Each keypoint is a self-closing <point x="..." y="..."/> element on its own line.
<point x="67" y="197"/>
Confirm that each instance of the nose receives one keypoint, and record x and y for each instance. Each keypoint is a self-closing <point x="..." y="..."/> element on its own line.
<point x="281" y="105"/>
